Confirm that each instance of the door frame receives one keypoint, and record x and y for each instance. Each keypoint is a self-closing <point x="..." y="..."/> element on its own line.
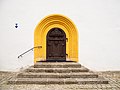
<point x="52" y="21"/>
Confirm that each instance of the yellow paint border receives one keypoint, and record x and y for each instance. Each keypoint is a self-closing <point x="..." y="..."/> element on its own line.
<point x="52" y="21"/>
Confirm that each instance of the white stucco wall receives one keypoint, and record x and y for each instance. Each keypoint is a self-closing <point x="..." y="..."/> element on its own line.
<point x="97" y="21"/>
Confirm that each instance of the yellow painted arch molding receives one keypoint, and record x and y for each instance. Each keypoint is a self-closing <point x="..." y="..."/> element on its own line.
<point x="56" y="21"/>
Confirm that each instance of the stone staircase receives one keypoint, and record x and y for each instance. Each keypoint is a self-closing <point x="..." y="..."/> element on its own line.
<point x="57" y="73"/>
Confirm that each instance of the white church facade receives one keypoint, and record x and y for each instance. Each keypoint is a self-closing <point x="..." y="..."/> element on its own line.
<point x="86" y="32"/>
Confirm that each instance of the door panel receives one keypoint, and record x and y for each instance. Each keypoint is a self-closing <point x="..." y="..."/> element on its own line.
<point x="56" y="45"/>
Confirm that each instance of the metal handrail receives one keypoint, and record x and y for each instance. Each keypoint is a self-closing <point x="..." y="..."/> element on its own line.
<point x="28" y="51"/>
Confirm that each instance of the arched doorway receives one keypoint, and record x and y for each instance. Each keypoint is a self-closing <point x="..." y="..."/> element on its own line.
<point x="56" y="45"/>
<point x="43" y="28"/>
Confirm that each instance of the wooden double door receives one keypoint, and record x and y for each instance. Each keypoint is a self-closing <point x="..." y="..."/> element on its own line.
<point x="56" y="45"/>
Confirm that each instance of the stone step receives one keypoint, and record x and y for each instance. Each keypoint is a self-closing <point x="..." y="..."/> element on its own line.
<point x="57" y="70"/>
<point x="57" y="75"/>
<point x="57" y="65"/>
<point x="57" y="81"/>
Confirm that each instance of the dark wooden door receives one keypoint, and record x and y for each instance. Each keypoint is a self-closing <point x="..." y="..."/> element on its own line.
<point x="56" y="45"/>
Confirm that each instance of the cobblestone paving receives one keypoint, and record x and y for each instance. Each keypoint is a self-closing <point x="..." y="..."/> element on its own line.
<point x="112" y="76"/>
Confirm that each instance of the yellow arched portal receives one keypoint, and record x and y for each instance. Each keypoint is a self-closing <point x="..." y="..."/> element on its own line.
<point x="56" y="21"/>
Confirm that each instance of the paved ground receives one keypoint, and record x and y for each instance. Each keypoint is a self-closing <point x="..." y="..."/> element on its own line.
<point x="112" y="76"/>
